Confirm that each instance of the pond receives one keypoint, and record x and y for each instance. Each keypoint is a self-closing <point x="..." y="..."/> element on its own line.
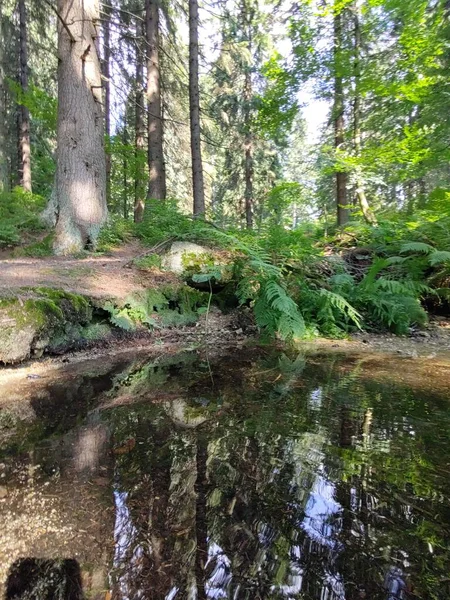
<point x="253" y="475"/>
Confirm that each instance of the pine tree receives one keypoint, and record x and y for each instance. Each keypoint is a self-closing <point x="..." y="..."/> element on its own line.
<point x="338" y="115"/>
<point x="81" y="170"/>
<point x="4" y="174"/>
<point x="24" y="113"/>
<point x="194" y="104"/>
<point x="157" y="172"/>
<point x="139" y="183"/>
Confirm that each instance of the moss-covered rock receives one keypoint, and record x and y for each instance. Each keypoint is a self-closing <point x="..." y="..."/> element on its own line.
<point x="34" y="319"/>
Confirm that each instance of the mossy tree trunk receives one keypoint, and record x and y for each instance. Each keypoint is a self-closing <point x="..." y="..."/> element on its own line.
<point x="81" y="167"/>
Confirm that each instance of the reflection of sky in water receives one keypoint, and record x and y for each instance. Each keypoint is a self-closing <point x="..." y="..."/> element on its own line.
<point x="220" y="577"/>
<point x="315" y="399"/>
<point x="321" y="506"/>
<point x="124" y="534"/>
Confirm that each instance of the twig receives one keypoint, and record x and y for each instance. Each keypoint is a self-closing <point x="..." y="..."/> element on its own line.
<point x="63" y="23"/>
<point x="153" y="250"/>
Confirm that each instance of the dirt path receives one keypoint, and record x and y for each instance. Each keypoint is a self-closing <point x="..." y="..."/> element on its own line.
<point x="98" y="276"/>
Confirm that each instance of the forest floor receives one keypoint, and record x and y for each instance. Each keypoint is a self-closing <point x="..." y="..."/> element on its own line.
<point x="108" y="275"/>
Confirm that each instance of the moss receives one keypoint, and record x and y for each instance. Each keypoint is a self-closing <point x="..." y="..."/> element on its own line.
<point x="221" y="264"/>
<point x="187" y="299"/>
<point x="40" y="319"/>
<point x="37" y="249"/>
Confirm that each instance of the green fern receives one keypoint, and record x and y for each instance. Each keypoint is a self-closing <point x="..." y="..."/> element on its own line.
<point x="276" y="312"/>
<point x="418" y="247"/>
<point x="342" y="305"/>
<point x="439" y="257"/>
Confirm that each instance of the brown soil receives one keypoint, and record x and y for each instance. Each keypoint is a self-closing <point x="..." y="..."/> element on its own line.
<point x="109" y="275"/>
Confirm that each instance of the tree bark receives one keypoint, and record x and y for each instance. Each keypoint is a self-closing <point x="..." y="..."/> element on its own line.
<point x="139" y="182"/>
<point x="360" y="192"/>
<point x="107" y="89"/>
<point x="194" y="108"/>
<point x="125" y="142"/>
<point x="157" y="172"/>
<point x="4" y="171"/>
<point x="81" y="168"/>
<point x="248" y="141"/>
<point x="339" y="123"/>
<point x="24" y="114"/>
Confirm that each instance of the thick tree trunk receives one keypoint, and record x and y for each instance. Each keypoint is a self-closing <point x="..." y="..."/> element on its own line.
<point x="4" y="172"/>
<point x="194" y="108"/>
<point x="139" y="182"/>
<point x="81" y="168"/>
<point x="107" y="88"/>
<point x="157" y="172"/>
<point x="360" y="192"/>
<point x="339" y="124"/>
<point x="24" y="114"/>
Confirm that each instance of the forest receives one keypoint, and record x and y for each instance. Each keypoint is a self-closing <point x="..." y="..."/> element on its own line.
<point x="305" y="144"/>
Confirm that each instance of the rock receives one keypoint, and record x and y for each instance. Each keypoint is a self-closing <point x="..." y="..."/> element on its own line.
<point x="32" y="319"/>
<point x="3" y="492"/>
<point x="173" y="260"/>
<point x="423" y="334"/>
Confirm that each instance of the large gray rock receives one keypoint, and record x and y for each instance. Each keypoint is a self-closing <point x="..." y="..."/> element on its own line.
<point x="173" y="260"/>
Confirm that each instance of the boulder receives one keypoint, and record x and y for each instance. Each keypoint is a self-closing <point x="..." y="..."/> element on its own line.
<point x="32" y="320"/>
<point x="173" y="259"/>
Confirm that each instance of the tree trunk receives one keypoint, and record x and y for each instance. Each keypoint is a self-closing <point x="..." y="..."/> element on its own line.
<point x="360" y="192"/>
<point x="338" y="115"/>
<point x="157" y="172"/>
<point x="248" y="141"/>
<point x="107" y="89"/>
<point x="139" y="182"/>
<point x="81" y="168"/>
<point x="24" y="114"/>
<point x="4" y="174"/>
<point x="125" y="171"/>
<point x="194" y="110"/>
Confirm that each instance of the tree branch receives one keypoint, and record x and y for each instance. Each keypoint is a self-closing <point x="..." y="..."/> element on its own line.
<point x="63" y="23"/>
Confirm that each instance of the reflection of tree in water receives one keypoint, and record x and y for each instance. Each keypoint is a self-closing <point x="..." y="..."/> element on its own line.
<point x="305" y="487"/>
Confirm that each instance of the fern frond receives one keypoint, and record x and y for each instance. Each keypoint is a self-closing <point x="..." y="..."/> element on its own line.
<point x="439" y="257"/>
<point x="419" y="247"/>
<point x="340" y="303"/>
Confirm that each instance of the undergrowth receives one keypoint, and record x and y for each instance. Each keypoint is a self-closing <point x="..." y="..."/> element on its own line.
<point x="299" y="283"/>
<point x="19" y="213"/>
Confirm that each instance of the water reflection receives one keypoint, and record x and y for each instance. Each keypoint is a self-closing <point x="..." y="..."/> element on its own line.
<point x="265" y="477"/>
<point x="32" y="578"/>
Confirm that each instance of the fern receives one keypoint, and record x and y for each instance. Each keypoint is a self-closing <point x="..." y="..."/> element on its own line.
<point x="276" y="312"/>
<point x="439" y="257"/>
<point x="342" y="305"/>
<point x="418" y="247"/>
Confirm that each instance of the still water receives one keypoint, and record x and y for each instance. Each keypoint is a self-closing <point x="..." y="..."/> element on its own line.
<point x="255" y="475"/>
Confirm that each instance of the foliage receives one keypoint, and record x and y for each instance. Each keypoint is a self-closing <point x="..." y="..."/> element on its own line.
<point x="117" y="231"/>
<point x="19" y="212"/>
